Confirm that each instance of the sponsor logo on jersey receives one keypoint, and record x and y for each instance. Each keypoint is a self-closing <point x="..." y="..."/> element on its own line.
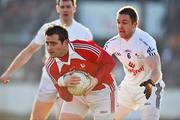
<point x="131" y="64"/>
<point x="82" y="65"/>
<point x="147" y="103"/>
<point x="117" y="53"/>
<point x="102" y="112"/>
<point x="135" y="71"/>
<point x="128" y="55"/>
<point x="128" y="51"/>
<point x="151" y="51"/>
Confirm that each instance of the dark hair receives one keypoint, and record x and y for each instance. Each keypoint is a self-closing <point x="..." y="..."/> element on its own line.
<point x="60" y="31"/>
<point x="128" y="10"/>
<point x="73" y="2"/>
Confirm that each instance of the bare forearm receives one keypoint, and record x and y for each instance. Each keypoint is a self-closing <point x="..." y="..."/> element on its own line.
<point x="155" y="75"/>
<point x="155" y="64"/>
<point x="21" y="59"/>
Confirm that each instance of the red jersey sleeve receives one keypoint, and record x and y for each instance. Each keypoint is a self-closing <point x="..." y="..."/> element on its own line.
<point x="95" y="54"/>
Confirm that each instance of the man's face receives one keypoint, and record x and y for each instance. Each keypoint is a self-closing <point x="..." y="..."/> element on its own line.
<point x="66" y="10"/>
<point x="54" y="46"/>
<point x="125" y="26"/>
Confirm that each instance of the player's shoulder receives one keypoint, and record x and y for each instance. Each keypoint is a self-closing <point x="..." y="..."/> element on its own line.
<point x="88" y="46"/>
<point x="113" y="40"/>
<point x="45" y="26"/>
<point x="112" y="43"/>
<point x="55" y="22"/>
<point x="80" y="26"/>
<point x="145" y="38"/>
<point x="83" y="42"/>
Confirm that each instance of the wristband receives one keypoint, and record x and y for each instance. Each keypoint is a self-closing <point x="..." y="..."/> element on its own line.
<point x="61" y="82"/>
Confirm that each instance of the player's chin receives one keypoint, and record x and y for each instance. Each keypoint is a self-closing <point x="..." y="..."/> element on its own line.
<point x="66" y="17"/>
<point x="123" y="35"/>
<point x="52" y="55"/>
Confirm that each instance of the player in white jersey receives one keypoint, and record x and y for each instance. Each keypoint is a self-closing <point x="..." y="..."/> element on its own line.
<point x="46" y="95"/>
<point x="142" y="86"/>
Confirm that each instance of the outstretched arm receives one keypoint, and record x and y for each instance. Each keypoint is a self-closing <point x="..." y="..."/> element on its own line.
<point x="154" y="63"/>
<point x="22" y="58"/>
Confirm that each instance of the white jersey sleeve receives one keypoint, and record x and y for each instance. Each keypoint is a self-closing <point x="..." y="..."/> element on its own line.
<point x="148" y="45"/>
<point x="40" y="36"/>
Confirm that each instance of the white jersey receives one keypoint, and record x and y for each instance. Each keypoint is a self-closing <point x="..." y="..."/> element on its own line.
<point x="75" y="31"/>
<point x="131" y="54"/>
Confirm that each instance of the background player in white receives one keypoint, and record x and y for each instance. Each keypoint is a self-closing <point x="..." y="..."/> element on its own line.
<point x="142" y="86"/>
<point x="83" y="56"/>
<point x="46" y="96"/>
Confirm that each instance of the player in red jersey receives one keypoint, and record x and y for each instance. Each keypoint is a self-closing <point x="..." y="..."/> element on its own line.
<point x="85" y="56"/>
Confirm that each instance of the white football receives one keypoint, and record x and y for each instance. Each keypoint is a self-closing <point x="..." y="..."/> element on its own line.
<point x="79" y="89"/>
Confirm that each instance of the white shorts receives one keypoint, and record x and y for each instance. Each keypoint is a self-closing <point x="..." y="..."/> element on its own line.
<point x="135" y="99"/>
<point x="101" y="102"/>
<point x="46" y="92"/>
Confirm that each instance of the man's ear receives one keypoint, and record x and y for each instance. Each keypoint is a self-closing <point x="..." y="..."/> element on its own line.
<point x="75" y="8"/>
<point x="57" y="8"/>
<point x="66" y="42"/>
<point x="135" y="24"/>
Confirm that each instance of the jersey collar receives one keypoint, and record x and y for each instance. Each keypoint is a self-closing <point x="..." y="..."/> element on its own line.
<point x="71" y="52"/>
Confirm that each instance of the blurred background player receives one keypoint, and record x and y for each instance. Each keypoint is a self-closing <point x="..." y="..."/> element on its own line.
<point x="88" y="57"/>
<point x="45" y="96"/>
<point x="142" y="86"/>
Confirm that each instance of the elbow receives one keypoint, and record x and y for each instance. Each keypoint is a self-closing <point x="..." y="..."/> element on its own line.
<point x="157" y="74"/>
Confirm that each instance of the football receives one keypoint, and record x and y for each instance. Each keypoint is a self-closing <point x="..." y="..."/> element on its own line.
<point x="79" y="89"/>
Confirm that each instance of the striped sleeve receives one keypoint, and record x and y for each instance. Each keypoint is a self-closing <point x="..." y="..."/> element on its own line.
<point x="95" y="54"/>
<point x="149" y="47"/>
<point x="88" y="50"/>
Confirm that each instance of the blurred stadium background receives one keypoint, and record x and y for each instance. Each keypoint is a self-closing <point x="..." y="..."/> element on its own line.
<point x="21" y="19"/>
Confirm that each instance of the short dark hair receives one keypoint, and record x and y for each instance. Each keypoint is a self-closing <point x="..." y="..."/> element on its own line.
<point x="73" y="2"/>
<point x="129" y="10"/>
<point x="60" y="31"/>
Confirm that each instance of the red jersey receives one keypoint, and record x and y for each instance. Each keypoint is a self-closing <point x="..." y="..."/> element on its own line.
<point x="84" y="56"/>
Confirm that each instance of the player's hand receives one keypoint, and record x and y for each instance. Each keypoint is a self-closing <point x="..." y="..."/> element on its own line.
<point x="4" y="79"/>
<point x="148" y="87"/>
<point x="94" y="82"/>
<point x="68" y="80"/>
<point x="71" y="80"/>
